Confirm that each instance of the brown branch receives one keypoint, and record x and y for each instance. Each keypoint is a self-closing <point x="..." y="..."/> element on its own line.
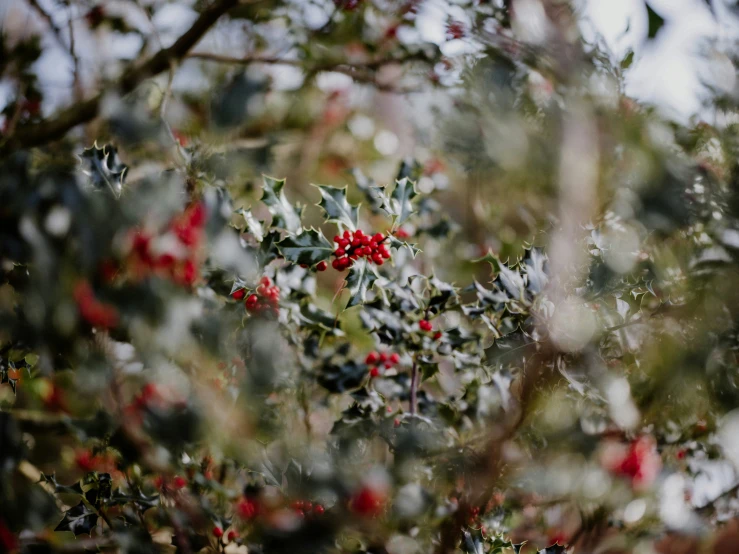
<point x="56" y="127"/>
<point x="362" y="72"/>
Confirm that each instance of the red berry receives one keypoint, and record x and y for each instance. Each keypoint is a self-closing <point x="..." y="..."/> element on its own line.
<point x="388" y="365"/>
<point x="238" y="294"/>
<point x="366" y="241"/>
<point x="374" y="372"/>
<point x="385" y="253"/>
<point x="377" y="258"/>
<point x="367" y="502"/>
<point x="318" y="509"/>
<point x="300" y="513"/>
<point x="247" y="509"/>
<point x="336" y="264"/>
<point x="382" y="357"/>
<point x="297" y="505"/>
<point x="437" y="335"/>
<point x="425" y="325"/>
<point x="179" y="482"/>
<point x="232" y="535"/>
<point x="358" y="233"/>
<point x="356" y="242"/>
<point x="265" y="281"/>
<point x="394" y="358"/>
<point x="340" y="252"/>
<point x="321" y="266"/>
<point x="337" y="238"/>
<point x="372" y="358"/>
<point x="307" y="505"/>
<point x="379" y="237"/>
<point x="217" y="532"/>
<point x="396" y="422"/>
<point x="343" y="243"/>
<point x="347" y="234"/>
<point x="304" y="266"/>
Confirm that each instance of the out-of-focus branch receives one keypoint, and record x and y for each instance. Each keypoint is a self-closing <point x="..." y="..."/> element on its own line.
<point x="362" y="72"/>
<point x="54" y="128"/>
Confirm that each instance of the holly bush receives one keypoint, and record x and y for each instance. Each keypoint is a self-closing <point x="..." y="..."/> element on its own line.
<point x="503" y="320"/>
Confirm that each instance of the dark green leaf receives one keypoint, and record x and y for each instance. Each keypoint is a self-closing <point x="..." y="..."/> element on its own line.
<point x="655" y="22"/>
<point x="80" y="519"/>
<point x="337" y="208"/>
<point x="284" y="214"/>
<point x="104" y="168"/>
<point x="307" y="248"/>
<point x="360" y="280"/>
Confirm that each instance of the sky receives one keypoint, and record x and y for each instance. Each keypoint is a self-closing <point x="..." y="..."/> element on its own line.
<point x="667" y="71"/>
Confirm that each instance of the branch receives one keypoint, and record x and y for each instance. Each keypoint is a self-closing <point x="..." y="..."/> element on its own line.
<point x="363" y="72"/>
<point x="56" y="127"/>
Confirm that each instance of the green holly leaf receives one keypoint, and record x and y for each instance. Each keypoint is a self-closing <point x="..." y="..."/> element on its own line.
<point x="490" y="258"/>
<point x="399" y="203"/>
<point x="307" y="248"/>
<point x="103" y="168"/>
<point x="498" y="543"/>
<point x="284" y="214"/>
<point x="554" y="549"/>
<point x="268" y="248"/>
<point x="337" y="208"/>
<point x="80" y="519"/>
<point x="361" y="278"/>
<point x="397" y="243"/>
<point x="253" y="225"/>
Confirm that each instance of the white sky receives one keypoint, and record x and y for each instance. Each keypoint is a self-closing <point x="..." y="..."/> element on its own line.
<point x="668" y="71"/>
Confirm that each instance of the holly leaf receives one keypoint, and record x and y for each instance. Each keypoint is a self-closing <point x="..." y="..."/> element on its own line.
<point x="397" y="243"/>
<point x="284" y="214"/>
<point x="80" y="519"/>
<point x="253" y="225"/>
<point x="398" y="204"/>
<point x="307" y="248"/>
<point x="535" y="274"/>
<point x="337" y="208"/>
<point x="498" y="543"/>
<point x="361" y="278"/>
<point x="655" y="22"/>
<point x="554" y="549"/>
<point x="103" y="168"/>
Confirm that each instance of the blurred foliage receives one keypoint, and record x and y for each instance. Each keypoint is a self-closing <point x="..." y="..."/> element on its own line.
<point x="502" y="319"/>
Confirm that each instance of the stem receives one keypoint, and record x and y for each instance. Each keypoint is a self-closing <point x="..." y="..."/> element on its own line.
<point x="414" y="387"/>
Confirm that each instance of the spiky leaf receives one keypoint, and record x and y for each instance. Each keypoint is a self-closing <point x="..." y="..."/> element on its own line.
<point x="284" y="215"/>
<point x="337" y="208"/>
<point x="103" y="168"/>
<point x="253" y="225"/>
<point x="399" y="204"/>
<point x="80" y="519"/>
<point x="361" y="278"/>
<point x="307" y="248"/>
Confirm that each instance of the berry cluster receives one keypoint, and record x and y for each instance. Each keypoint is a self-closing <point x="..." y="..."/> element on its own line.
<point x="303" y="507"/>
<point x="218" y="533"/>
<point x="94" y="312"/>
<point x="165" y="484"/>
<point x="354" y="245"/>
<point x="377" y="359"/>
<point x="265" y="300"/>
<point x="178" y="261"/>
